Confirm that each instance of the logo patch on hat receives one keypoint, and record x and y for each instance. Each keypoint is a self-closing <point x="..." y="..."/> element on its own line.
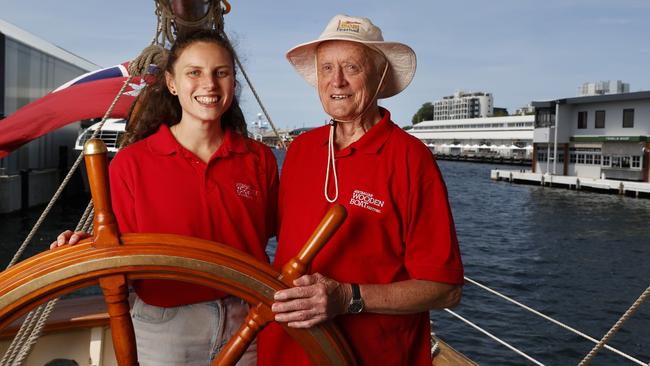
<point x="348" y="26"/>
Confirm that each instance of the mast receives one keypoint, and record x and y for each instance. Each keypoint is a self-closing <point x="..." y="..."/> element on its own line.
<point x="192" y="14"/>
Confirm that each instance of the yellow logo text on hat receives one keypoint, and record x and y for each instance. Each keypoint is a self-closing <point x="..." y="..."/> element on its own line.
<point x="348" y="26"/>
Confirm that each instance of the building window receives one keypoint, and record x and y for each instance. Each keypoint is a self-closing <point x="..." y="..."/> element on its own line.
<point x="581" y="158"/>
<point x="582" y="120"/>
<point x="628" y="118"/>
<point x="620" y="161"/>
<point x="605" y="160"/>
<point x="600" y="119"/>
<point x="572" y="158"/>
<point x="544" y="118"/>
<point x="636" y="161"/>
<point x="589" y="159"/>
<point x="596" y="159"/>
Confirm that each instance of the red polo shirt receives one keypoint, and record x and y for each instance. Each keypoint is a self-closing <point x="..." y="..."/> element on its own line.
<point x="158" y="186"/>
<point x="399" y="227"/>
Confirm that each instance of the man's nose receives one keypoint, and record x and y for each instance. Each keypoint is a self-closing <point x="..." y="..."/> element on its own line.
<point x="338" y="78"/>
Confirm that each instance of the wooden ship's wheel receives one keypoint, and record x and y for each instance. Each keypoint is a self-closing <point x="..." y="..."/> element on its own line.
<point x="112" y="260"/>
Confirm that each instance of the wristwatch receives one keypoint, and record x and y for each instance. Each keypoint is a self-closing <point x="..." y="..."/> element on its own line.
<point x="356" y="303"/>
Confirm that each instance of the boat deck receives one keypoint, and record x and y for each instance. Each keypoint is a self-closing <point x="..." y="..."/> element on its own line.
<point x="79" y="330"/>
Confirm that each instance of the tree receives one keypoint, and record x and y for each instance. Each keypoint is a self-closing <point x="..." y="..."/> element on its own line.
<point x="499" y="112"/>
<point x="425" y="113"/>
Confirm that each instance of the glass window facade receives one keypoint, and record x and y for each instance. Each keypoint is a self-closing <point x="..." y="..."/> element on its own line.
<point x="28" y="75"/>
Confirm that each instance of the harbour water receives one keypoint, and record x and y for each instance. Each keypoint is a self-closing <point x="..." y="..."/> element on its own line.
<point x="579" y="257"/>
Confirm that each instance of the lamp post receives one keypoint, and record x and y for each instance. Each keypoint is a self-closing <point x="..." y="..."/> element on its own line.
<point x="555" y="127"/>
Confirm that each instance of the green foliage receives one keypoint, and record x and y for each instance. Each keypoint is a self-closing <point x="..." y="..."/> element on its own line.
<point x="425" y="113"/>
<point x="499" y="112"/>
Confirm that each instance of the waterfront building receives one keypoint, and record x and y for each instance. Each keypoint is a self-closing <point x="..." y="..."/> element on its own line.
<point x="30" y="68"/>
<point x="508" y="136"/>
<point x="462" y="105"/>
<point x="527" y="109"/>
<point x="601" y="137"/>
<point x="603" y="87"/>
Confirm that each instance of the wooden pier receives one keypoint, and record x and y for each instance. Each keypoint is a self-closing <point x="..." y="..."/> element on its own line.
<point x="485" y="159"/>
<point x="628" y="188"/>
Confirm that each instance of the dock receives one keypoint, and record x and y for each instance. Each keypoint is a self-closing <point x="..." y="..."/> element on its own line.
<point x="628" y="188"/>
<point x="486" y="159"/>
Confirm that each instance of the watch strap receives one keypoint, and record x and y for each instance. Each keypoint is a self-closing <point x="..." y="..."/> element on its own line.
<point x="356" y="303"/>
<point x="356" y="292"/>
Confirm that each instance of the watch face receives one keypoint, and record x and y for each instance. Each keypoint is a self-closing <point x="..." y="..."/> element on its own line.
<point x="355" y="307"/>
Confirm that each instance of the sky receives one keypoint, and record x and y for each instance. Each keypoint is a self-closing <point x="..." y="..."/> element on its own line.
<point x="518" y="50"/>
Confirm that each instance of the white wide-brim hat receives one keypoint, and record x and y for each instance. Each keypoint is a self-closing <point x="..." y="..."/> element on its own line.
<point x="401" y="58"/>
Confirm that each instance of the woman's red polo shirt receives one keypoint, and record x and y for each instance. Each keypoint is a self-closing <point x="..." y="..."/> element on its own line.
<point x="158" y="186"/>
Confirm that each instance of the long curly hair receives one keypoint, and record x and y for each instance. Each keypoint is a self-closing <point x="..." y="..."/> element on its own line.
<point x="159" y="106"/>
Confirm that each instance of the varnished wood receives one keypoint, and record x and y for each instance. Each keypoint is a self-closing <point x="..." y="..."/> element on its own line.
<point x="116" y="295"/>
<point x="158" y="256"/>
<point x="106" y="235"/>
<point x="447" y="356"/>
<point x="298" y="265"/>
<point x="108" y="258"/>
<point x="255" y="321"/>
<point x="105" y="231"/>
<point x="260" y="315"/>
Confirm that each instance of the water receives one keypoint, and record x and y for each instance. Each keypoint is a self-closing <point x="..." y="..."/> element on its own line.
<point x="579" y="257"/>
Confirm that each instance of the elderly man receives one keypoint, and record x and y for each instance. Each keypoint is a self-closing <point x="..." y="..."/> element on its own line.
<point x="397" y="255"/>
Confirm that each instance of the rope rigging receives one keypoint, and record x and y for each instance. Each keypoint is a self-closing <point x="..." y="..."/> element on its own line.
<point x="155" y="54"/>
<point x="615" y="328"/>
<point x="599" y="345"/>
<point x="166" y="30"/>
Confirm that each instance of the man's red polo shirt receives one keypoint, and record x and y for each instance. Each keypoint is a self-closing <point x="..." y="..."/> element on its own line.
<point x="399" y="227"/>
<point x="158" y="186"/>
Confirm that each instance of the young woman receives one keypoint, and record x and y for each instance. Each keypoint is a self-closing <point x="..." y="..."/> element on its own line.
<point x="190" y="169"/>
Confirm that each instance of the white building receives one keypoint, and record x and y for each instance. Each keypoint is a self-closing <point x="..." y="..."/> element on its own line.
<point x="492" y="136"/>
<point x="603" y="87"/>
<point x="604" y="136"/>
<point x="463" y="105"/>
<point x="527" y="109"/>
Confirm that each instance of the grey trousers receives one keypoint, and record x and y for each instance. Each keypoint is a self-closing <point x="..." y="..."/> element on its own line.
<point x="190" y="335"/>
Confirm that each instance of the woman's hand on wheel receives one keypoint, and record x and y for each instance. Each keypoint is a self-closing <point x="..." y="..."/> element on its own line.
<point x="69" y="237"/>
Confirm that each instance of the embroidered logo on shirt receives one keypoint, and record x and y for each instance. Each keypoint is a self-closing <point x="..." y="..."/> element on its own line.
<point x="348" y="26"/>
<point x="366" y="200"/>
<point x="246" y="191"/>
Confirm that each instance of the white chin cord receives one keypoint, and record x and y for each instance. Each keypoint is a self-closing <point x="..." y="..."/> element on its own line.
<point x="330" y="161"/>
<point x="330" y="146"/>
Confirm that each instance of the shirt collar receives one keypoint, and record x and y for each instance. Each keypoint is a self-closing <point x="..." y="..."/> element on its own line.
<point x="163" y="142"/>
<point x="232" y="143"/>
<point x="372" y="141"/>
